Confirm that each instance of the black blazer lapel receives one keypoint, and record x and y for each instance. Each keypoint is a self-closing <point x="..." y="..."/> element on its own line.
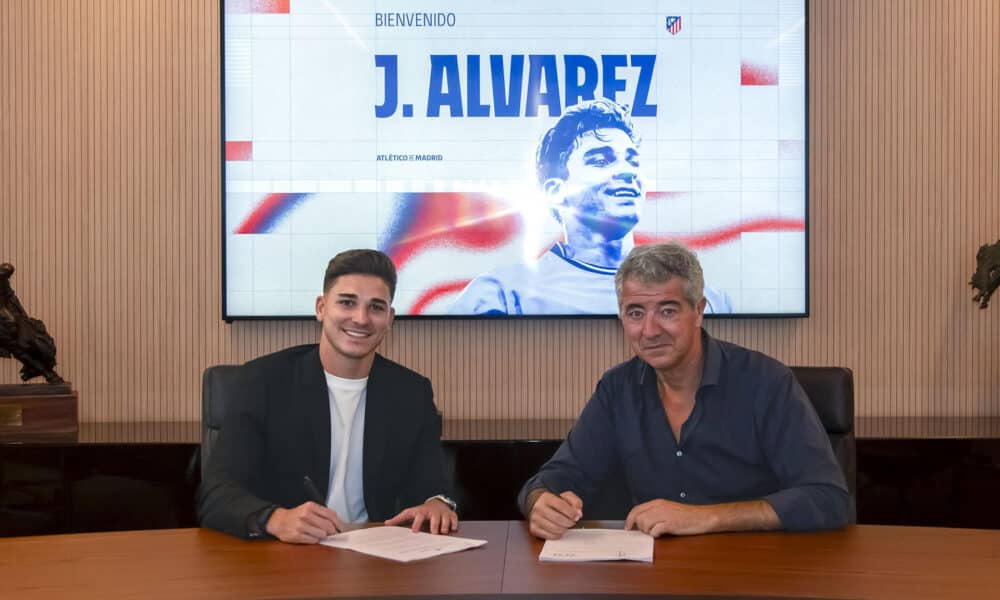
<point x="378" y="420"/>
<point x="311" y="391"/>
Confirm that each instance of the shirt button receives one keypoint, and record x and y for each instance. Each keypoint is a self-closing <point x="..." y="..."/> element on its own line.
<point x="683" y="494"/>
<point x="680" y="453"/>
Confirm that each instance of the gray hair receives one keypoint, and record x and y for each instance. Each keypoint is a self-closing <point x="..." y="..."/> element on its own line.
<point x="657" y="263"/>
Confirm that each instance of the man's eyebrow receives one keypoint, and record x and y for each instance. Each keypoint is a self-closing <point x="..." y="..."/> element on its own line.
<point x="599" y="150"/>
<point x="350" y="296"/>
<point x="662" y="303"/>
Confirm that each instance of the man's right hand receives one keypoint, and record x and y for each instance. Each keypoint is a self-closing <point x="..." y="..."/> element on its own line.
<point x="307" y="523"/>
<point x="552" y="515"/>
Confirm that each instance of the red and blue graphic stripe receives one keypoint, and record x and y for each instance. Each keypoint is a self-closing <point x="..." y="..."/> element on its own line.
<point x="272" y="7"/>
<point x="432" y="219"/>
<point x="239" y="150"/>
<point x="271" y="210"/>
<point x="758" y="74"/>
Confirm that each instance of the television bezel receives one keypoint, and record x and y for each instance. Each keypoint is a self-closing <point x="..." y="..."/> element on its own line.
<point x="228" y="318"/>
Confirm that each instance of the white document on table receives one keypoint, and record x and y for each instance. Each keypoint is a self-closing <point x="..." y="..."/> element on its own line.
<point x="580" y="545"/>
<point x="399" y="543"/>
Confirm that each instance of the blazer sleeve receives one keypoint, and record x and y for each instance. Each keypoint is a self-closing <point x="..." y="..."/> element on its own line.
<point x="428" y="475"/>
<point x="225" y="502"/>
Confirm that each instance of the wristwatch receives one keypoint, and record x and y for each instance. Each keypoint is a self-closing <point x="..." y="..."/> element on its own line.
<point x="448" y="501"/>
<point x="257" y="522"/>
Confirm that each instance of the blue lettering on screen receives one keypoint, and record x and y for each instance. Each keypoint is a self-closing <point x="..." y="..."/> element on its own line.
<point x="609" y="66"/>
<point x="444" y="67"/>
<point x="507" y="95"/>
<point x="389" y="62"/>
<point x="640" y="105"/>
<point x="414" y="19"/>
<point x="578" y="91"/>
<point x="511" y="92"/>
<point x="542" y="67"/>
<point x="475" y="108"/>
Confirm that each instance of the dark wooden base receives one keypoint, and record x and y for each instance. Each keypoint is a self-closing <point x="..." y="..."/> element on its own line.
<point x="44" y="415"/>
<point x="145" y="478"/>
<point x="35" y="389"/>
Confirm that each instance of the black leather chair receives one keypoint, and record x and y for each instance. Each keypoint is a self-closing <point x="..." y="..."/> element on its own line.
<point x="831" y="391"/>
<point x="217" y="385"/>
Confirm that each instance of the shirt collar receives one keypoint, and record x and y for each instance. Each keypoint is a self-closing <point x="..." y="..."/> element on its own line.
<point x="560" y="250"/>
<point x="712" y="351"/>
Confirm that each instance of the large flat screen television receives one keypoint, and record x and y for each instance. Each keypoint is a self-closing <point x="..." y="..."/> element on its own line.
<point x="508" y="154"/>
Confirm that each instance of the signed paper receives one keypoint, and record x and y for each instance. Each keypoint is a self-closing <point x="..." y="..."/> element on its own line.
<point x="399" y="543"/>
<point x="579" y="545"/>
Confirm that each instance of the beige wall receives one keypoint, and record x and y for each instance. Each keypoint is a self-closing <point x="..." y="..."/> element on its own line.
<point x="109" y="157"/>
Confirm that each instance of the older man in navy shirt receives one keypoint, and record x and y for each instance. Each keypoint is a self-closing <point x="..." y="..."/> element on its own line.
<point x="709" y="436"/>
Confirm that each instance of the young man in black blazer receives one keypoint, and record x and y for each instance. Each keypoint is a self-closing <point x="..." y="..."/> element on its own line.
<point x="331" y="433"/>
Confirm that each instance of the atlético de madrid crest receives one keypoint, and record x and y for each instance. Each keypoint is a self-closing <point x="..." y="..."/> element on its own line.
<point x="674" y="25"/>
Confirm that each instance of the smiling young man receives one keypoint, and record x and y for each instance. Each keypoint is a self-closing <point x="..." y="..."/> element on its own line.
<point x="708" y="435"/>
<point x="589" y="167"/>
<point x="332" y="433"/>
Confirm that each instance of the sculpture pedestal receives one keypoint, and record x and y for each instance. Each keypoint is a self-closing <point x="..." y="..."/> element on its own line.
<point x="38" y="411"/>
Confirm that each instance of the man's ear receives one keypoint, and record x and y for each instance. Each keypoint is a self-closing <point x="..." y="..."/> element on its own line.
<point x="701" y="309"/>
<point x="320" y="305"/>
<point x="553" y="189"/>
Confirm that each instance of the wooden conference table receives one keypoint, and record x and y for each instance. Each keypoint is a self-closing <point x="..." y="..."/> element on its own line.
<point x="860" y="562"/>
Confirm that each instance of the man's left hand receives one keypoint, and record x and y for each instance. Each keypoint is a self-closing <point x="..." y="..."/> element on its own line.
<point x="440" y="518"/>
<point x="658" y="517"/>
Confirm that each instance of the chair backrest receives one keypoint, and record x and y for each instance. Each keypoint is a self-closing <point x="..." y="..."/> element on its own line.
<point x="831" y="391"/>
<point x="218" y="384"/>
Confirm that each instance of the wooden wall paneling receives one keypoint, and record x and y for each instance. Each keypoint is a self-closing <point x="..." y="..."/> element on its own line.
<point x="110" y="154"/>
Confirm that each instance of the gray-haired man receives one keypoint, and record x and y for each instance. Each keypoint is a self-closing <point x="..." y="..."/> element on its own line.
<point x="709" y="436"/>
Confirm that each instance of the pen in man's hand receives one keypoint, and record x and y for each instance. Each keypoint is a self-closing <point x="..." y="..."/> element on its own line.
<point x="311" y="492"/>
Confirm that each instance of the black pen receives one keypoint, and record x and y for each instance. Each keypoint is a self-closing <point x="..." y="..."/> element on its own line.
<point x="312" y="493"/>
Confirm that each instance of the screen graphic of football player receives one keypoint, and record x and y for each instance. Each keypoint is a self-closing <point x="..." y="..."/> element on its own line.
<point x="588" y="165"/>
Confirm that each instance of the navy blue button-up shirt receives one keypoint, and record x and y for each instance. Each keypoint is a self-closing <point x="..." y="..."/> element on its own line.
<point x="752" y="435"/>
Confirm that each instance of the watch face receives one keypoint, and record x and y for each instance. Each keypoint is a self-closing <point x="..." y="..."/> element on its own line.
<point x="263" y="517"/>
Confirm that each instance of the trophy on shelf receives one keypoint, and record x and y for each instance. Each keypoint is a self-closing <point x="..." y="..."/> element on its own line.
<point x="31" y="409"/>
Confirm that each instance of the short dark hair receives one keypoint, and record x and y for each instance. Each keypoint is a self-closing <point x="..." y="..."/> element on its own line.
<point x="560" y="141"/>
<point x="361" y="262"/>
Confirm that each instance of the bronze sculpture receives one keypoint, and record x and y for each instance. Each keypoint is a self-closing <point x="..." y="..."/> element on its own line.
<point x="23" y="337"/>
<point x="987" y="275"/>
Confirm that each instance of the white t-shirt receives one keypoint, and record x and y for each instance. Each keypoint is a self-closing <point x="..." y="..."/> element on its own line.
<point x="346" y="494"/>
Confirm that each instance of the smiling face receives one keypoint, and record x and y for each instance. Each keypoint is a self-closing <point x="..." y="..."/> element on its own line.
<point x="603" y="191"/>
<point x="355" y="314"/>
<point x="661" y="325"/>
